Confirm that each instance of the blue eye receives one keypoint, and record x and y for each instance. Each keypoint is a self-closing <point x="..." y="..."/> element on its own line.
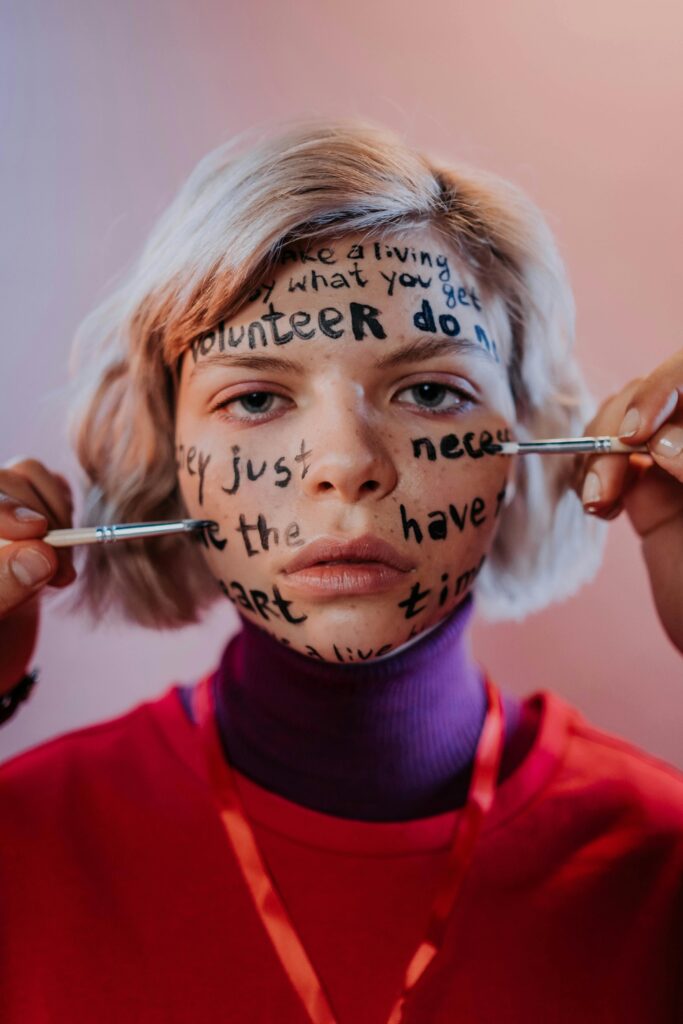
<point x="256" y="401"/>
<point x="432" y="396"/>
<point x="254" y="406"/>
<point x="429" y="393"/>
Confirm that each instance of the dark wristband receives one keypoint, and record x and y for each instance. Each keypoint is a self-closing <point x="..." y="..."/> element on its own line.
<point x="10" y="701"/>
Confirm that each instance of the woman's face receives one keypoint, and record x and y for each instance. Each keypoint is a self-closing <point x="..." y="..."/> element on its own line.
<point x="357" y="395"/>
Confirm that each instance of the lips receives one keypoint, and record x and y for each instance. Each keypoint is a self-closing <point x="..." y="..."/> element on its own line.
<point x="364" y="549"/>
<point x="332" y="569"/>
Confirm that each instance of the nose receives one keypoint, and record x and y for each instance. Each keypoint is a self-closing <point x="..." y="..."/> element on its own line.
<point x="349" y="459"/>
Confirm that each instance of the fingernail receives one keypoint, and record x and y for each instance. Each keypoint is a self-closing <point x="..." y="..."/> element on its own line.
<point x="30" y="567"/>
<point x="27" y="515"/>
<point x="630" y="423"/>
<point x="591" y="489"/>
<point x="670" y="444"/>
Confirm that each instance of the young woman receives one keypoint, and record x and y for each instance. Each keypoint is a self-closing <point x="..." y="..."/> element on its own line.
<point x="322" y="346"/>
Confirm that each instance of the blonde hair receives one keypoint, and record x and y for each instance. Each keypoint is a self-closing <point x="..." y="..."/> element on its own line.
<point x="243" y="203"/>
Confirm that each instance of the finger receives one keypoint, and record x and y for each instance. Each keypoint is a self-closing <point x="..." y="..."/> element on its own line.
<point x="25" y="567"/>
<point x="636" y="467"/>
<point x="653" y="401"/>
<point x="603" y="485"/>
<point x="614" y="511"/>
<point x="66" y="571"/>
<point x="22" y="513"/>
<point x="25" y="516"/>
<point x="620" y="399"/>
<point x="53" y="488"/>
<point x="16" y="489"/>
<point x="604" y="476"/>
<point x="666" y="447"/>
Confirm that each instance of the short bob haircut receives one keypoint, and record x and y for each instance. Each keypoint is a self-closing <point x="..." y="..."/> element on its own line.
<point x="316" y="179"/>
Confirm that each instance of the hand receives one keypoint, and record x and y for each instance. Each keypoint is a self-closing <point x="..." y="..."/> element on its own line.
<point x="649" y="411"/>
<point x="29" y="484"/>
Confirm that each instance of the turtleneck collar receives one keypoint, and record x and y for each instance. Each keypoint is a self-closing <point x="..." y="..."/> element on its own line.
<point x="385" y="740"/>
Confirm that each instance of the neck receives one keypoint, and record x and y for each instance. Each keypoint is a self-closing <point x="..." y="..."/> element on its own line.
<point x="387" y="740"/>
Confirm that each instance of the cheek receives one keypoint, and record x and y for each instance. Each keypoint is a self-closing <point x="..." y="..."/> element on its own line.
<point x="458" y="465"/>
<point x="464" y="481"/>
<point x="459" y="504"/>
<point x="452" y="493"/>
<point x="250" y="497"/>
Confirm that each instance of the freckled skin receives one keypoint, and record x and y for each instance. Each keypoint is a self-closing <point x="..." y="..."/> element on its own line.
<point x="361" y="467"/>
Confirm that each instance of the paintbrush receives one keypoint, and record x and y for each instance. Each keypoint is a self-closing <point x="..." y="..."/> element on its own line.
<point x="116" y="531"/>
<point x="568" y="446"/>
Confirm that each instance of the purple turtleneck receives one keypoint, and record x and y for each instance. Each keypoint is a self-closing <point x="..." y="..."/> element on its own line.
<point x="386" y="740"/>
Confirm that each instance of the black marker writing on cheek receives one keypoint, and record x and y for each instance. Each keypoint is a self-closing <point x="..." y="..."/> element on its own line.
<point x="205" y="535"/>
<point x="500" y="498"/>
<point x="343" y="653"/>
<point x="301" y="457"/>
<point x="449" y="445"/>
<point x="473" y="512"/>
<point x="411" y="602"/>
<point x="185" y="460"/>
<point x="253" y="471"/>
<point x="465" y="580"/>
<point x="358" y="654"/>
<point x="260" y="603"/>
<point x="417" y="599"/>
<point x="267" y="534"/>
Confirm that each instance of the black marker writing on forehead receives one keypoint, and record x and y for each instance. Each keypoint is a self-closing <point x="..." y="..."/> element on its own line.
<point x="416" y="268"/>
<point x="450" y="326"/>
<point x="293" y="255"/>
<point x="319" y="282"/>
<point x="331" y="323"/>
<point x="377" y="251"/>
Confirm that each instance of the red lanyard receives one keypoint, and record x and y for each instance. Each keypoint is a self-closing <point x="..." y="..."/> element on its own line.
<point x="272" y="910"/>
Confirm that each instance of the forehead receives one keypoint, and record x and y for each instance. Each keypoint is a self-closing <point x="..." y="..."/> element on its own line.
<point x="394" y="268"/>
<point x="384" y="291"/>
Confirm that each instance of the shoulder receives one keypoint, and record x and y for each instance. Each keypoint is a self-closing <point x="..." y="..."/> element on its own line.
<point x="66" y="767"/>
<point x="120" y="792"/>
<point x="620" y="782"/>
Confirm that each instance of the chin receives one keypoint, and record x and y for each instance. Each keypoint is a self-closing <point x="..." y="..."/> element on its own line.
<point x="356" y="631"/>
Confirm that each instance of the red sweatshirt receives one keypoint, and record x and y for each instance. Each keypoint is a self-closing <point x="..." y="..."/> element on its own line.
<point x="121" y="900"/>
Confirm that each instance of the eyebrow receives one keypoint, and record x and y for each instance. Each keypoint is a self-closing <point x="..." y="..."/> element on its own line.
<point x="248" y="362"/>
<point x="413" y="351"/>
<point x="427" y="348"/>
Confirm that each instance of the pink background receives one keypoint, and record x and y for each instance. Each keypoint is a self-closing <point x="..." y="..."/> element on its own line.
<point x="108" y="106"/>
